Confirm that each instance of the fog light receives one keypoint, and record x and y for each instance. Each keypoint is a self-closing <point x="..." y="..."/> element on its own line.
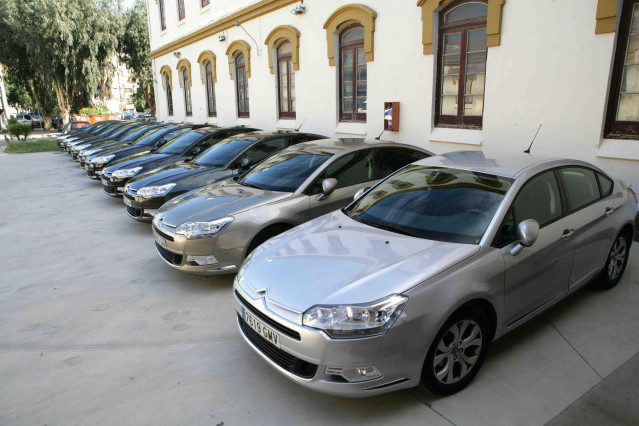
<point x="355" y="374"/>
<point x="202" y="260"/>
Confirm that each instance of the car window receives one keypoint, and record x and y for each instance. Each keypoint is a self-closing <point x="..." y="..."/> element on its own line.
<point x="605" y="183"/>
<point x="539" y="199"/>
<point x="392" y="159"/>
<point x="223" y="152"/>
<point x="350" y="169"/>
<point x="171" y="135"/>
<point x="208" y="142"/>
<point x="178" y="145"/>
<point x="263" y="149"/>
<point x="581" y="186"/>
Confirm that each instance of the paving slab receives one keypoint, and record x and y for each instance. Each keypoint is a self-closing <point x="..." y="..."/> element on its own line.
<point x="96" y="329"/>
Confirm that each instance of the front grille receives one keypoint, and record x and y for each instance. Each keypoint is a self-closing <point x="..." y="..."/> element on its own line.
<point x="133" y="211"/>
<point x="290" y="363"/>
<point x="169" y="256"/>
<point x="279" y="327"/>
<point x="162" y="234"/>
<point x="130" y="197"/>
<point x="91" y="173"/>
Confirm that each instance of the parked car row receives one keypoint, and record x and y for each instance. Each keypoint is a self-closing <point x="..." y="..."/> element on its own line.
<point x="365" y="267"/>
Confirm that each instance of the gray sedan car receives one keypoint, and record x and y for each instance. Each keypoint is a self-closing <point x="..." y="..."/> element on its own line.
<point x="210" y="230"/>
<point x="414" y="279"/>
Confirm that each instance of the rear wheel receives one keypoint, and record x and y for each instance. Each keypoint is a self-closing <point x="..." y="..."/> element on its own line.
<point x="457" y="352"/>
<point x="615" y="262"/>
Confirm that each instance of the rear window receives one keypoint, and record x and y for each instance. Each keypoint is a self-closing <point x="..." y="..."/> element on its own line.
<point x="581" y="186"/>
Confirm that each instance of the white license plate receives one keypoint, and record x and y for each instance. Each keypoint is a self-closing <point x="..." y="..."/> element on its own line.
<point x="104" y="181"/>
<point x="120" y="189"/>
<point x="127" y="202"/>
<point x="258" y="326"/>
<point x="98" y="172"/>
<point x="86" y="166"/>
<point x="161" y="241"/>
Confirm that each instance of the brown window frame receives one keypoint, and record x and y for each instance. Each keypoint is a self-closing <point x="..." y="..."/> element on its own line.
<point x="617" y="129"/>
<point x="181" y="10"/>
<point x="352" y="116"/>
<point x="169" y="95"/>
<point x="205" y="3"/>
<point x="463" y="27"/>
<point x="246" y="113"/>
<point x="210" y="89"/>
<point x="162" y="8"/>
<point x="288" y="59"/>
<point x="188" y="107"/>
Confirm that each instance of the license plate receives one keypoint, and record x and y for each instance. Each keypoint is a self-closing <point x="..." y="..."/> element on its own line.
<point x="258" y="326"/>
<point x="86" y="166"/>
<point x="104" y="181"/>
<point x="120" y="189"/>
<point x="98" y="172"/>
<point x="161" y="241"/>
<point x="127" y="202"/>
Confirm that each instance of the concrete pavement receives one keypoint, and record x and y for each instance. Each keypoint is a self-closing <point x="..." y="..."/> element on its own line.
<point x="96" y="329"/>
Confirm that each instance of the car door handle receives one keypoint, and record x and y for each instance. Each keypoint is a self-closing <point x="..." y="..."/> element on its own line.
<point x="609" y="211"/>
<point x="567" y="234"/>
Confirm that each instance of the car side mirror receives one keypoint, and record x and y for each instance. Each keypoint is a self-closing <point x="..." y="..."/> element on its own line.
<point x="245" y="163"/>
<point x="196" y="151"/>
<point x="360" y="192"/>
<point x="527" y="233"/>
<point x="328" y="186"/>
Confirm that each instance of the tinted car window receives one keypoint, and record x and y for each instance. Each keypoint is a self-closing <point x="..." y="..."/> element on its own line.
<point x="350" y="169"/>
<point x="222" y="153"/>
<point x="605" y="183"/>
<point x="506" y="231"/>
<point x="263" y="149"/>
<point x="392" y="159"/>
<point x="168" y="136"/>
<point x="151" y="136"/>
<point x="135" y="133"/>
<point x="180" y="143"/>
<point x="434" y="203"/>
<point x="581" y="186"/>
<point x="285" y="171"/>
<point x="539" y="199"/>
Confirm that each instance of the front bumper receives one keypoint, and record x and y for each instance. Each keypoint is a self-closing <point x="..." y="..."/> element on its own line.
<point x="175" y="250"/>
<point x="140" y="208"/>
<point x="94" y="171"/>
<point x="113" y="186"/>
<point x="313" y="360"/>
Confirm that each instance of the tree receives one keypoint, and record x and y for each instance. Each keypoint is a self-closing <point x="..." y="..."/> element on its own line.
<point x="17" y="94"/>
<point x="67" y="44"/>
<point x="134" y="48"/>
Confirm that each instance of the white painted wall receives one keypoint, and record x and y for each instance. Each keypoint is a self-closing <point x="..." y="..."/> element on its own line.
<point x="551" y="68"/>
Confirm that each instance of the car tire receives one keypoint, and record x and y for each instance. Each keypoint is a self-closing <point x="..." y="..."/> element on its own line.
<point x="265" y="235"/>
<point x="455" y="356"/>
<point x="615" y="262"/>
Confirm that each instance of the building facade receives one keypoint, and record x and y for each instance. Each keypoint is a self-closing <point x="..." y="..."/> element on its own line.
<point x="463" y="74"/>
<point x="123" y="87"/>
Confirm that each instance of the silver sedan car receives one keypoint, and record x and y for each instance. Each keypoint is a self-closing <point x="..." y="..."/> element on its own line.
<point x="211" y="230"/>
<point x="413" y="280"/>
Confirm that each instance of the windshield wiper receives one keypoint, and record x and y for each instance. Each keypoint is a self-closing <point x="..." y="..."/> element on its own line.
<point x="250" y="185"/>
<point x="390" y="228"/>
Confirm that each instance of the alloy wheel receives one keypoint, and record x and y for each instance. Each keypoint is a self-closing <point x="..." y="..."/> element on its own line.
<point x="617" y="258"/>
<point x="457" y="351"/>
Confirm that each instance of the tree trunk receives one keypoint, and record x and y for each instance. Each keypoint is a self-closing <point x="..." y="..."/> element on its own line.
<point x="150" y="102"/>
<point x="36" y="98"/>
<point x="63" y="102"/>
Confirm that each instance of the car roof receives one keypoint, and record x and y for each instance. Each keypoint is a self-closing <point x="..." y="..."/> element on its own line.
<point x="510" y="165"/>
<point x="344" y="145"/>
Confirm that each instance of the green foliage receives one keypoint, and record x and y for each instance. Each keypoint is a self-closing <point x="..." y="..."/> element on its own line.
<point x="13" y="121"/>
<point x="17" y="94"/>
<point x="24" y="147"/>
<point x="16" y="130"/>
<point x="139" y="101"/>
<point x="99" y="109"/>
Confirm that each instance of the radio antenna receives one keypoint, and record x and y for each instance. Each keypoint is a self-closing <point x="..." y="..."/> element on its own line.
<point x="533" y="141"/>
<point x="380" y="135"/>
<point x="300" y="126"/>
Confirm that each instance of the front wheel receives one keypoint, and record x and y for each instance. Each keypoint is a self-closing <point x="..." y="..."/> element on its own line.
<point x="615" y="262"/>
<point x="457" y="352"/>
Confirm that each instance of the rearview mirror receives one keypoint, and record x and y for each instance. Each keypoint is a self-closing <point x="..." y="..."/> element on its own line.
<point x="361" y="192"/>
<point x="527" y="233"/>
<point x="328" y="186"/>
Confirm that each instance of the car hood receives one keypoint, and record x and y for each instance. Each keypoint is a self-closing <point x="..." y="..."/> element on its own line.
<point x="103" y="144"/>
<point x="137" y="159"/>
<point x="123" y="150"/>
<point x="216" y="201"/>
<point x="186" y="175"/>
<point x="337" y="260"/>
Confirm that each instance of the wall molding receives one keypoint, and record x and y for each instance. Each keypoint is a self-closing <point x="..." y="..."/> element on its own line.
<point x="207" y="56"/>
<point x="493" y="22"/>
<point x="606" y="16"/>
<point x="279" y="34"/>
<point x="184" y="63"/>
<point x="236" y="47"/>
<point x="346" y="15"/>
<point x="167" y="70"/>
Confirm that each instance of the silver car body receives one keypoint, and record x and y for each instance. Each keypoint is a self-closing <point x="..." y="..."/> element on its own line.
<point x="337" y="260"/>
<point x="253" y="210"/>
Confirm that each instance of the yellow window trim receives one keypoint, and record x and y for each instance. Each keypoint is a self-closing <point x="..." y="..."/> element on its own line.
<point x="184" y="63"/>
<point x="278" y="35"/>
<point x="236" y="47"/>
<point x="346" y="15"/>
<point x="493" y="22"/>
<point x="167" y="70"/>
<point x="207" y="56"/>
<point x="606" y="16"/>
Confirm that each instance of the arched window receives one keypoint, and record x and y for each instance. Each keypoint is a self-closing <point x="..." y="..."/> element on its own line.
<point x="180" y="8"/>
<point x="461" y="70"/>
<point x="210" y="88"/>
<point x="187" y="92"/>
<point x="169" y="95"/>
<point x="352" y="65"/>
<point x="241" y="86"/>
<point x="162" y="15"/>
<point x="286" y="79"/>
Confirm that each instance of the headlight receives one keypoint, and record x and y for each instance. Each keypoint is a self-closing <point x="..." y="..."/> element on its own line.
<point x="194" y="230"/>
<point x="155" y="191"/>
<point x="102" y="159"/>
<point x="122" y="173"/>
<point x="348" y="321"/>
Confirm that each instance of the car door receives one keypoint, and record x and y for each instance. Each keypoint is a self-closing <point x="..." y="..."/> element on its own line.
<point x="353" y="171"/>
<point x="537" y="274"/>
<point x="592" y="223"/>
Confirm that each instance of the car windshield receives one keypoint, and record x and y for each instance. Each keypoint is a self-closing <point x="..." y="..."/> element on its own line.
<point x="114" y="129"/>
<point x="178" y="145"/>
<point x="286" y="171"/>
<point x="135" y="133"/>
<point x="152" y="136"/>
<point x="220" y="154"/>
<point x="434" y="203"/>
